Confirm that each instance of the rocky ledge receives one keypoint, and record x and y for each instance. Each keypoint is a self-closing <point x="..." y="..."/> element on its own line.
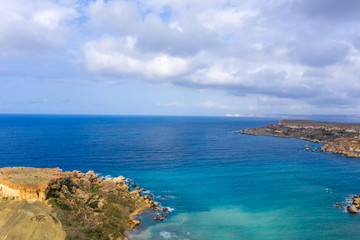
<point x="44" y="203"/>
<point x="353" y="205"/>
<point x="340" y="138"/>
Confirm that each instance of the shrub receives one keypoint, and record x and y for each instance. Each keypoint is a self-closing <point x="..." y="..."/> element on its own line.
<point x="64" y="206"/>
<point x="94" y="204"/>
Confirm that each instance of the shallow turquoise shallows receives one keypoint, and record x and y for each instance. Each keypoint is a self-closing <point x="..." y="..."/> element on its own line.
<point x="220" y="185"/>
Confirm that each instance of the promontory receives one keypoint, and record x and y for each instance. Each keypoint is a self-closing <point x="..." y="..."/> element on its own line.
<point x="48" y="203"/>
<point x="340" y="138"/>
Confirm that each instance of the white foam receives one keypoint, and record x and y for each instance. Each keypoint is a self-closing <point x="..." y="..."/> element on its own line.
<point x="102" y="176"/>
<point x="165" y="235"/>
<point x="170" y="209"/>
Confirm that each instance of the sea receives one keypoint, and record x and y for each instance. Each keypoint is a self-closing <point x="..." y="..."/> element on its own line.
<point x="217" y="184"/>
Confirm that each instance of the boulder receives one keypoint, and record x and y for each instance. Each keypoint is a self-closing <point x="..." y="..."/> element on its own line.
<point x="124" y="187"/>
<point x="75" y="173"/>
<point x="101" y="205"/>
<point x="64" y="189"/>
<point x="356" y="201"/>
<point x="352" y="209"/>
<point x="86" y="182"/>
<point x="135" y="193"/>
<point x="91" y="175"/>
<point x="108" y="185"/>
<point x="83" y="195"/>
<point x="119" y="179"/>
<point x="75" y="181"/>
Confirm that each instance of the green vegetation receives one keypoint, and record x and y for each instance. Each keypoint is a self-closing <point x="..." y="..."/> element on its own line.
<point x="61" y="204"/>
<point x="94" y="204"/>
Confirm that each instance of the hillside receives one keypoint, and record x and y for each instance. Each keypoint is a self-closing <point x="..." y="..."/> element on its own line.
<point x="48" y="203"/>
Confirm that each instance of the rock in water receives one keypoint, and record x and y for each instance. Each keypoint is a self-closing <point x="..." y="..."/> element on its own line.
<point x="351" y="209"/>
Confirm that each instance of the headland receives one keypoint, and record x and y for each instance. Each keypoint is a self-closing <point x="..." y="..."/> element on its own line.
<point x="48" y="203"/>
<point x="340" y="138"/>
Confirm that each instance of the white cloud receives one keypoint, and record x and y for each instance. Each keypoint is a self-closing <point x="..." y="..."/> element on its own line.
<point x="116" y="15"/>
<point x="118" y="56"/>
<point x="225" y="20"/>
<point x="216" y="74"/>
<point x="28" y="28"/>
<point x="52" y="18"/>
<point x="274" y="49"/>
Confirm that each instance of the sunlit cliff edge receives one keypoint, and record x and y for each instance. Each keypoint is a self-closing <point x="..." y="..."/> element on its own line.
<point x="45" y="203"/>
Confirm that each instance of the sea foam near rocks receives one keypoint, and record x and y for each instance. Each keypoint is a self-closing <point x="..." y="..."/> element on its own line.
<point x="165" y="235"/>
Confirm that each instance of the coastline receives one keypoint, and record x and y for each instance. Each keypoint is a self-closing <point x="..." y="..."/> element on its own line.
<point x="338" y="138"/>
<point x="85" y="205"/>
<point x="137" y="222"/>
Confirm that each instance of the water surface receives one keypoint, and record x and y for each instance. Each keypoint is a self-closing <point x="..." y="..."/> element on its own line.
<point x="221" y="185"/>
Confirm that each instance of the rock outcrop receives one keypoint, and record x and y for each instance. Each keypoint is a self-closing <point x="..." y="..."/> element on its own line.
<point x="52" y="204"/>
<point x="31" y="184"/>
<point x="353" y="205"/>
<point x="340" y="138"/>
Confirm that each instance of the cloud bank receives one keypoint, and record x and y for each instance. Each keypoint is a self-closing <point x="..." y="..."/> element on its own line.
<point x="297" y="51"/>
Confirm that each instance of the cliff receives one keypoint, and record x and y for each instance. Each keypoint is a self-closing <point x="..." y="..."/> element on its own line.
<point x="48" y="203"/>
<point x="340" y="138"/>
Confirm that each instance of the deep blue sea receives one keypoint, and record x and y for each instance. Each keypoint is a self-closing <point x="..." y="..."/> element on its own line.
<point x="221" y="186"/>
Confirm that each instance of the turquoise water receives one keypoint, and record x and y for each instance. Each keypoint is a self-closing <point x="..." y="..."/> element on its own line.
<point x="220" y="185"/>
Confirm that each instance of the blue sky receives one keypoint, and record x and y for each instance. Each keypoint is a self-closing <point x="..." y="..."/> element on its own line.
<point x="180" y="57"/>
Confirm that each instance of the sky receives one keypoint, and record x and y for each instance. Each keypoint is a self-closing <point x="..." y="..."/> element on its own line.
<point x="180" y="57"/>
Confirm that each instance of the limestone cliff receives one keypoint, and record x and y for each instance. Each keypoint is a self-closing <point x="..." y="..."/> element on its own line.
<point x="341" y="138"/>
<point x="51" y="204"/>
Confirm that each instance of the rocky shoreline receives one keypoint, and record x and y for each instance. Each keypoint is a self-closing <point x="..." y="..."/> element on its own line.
<point x="353" y="205"/>
<point x="69" y="205"/>
<point x="339" y="138"/>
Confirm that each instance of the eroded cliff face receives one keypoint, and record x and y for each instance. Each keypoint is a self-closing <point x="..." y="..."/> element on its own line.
<point x="28" y="183"/>
<point x="348" y="146"/>
<point x="52" y="204"/>
<point x="340" y="138"/>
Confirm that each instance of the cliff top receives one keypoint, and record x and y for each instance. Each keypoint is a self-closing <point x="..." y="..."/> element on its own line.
<point x="319" y="123"/>
<point x="29" y="177"/>
<point x="67" y="205"/>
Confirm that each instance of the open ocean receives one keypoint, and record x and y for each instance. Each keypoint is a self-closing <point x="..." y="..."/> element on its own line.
<point x="221" y="186"/>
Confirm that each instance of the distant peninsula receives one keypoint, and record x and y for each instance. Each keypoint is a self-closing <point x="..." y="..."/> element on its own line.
<point x="48" y="203"/>
<point x="339" y="138"/>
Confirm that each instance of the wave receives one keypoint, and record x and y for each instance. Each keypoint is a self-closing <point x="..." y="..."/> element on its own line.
<point x="165" y="235"/>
